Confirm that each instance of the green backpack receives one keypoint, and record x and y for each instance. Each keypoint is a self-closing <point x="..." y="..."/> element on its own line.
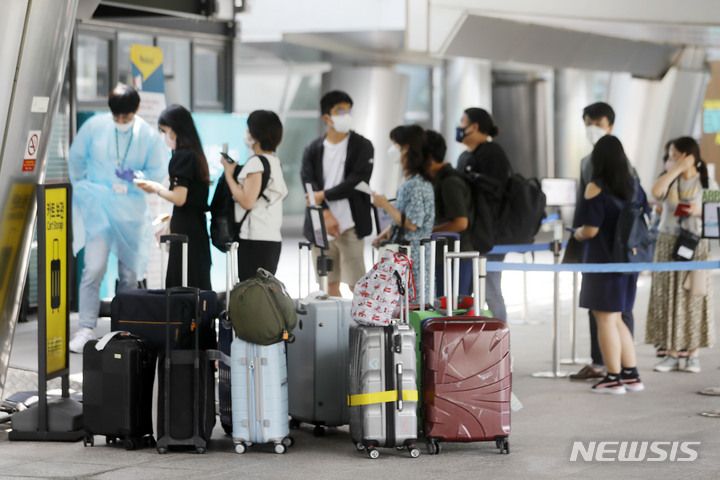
<point x="261" y="311"/>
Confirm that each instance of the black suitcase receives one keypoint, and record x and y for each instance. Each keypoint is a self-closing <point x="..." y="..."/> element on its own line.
<point x="143" y="313"/>
<point x="118" y="389"/>
<point x="186" y="389"/>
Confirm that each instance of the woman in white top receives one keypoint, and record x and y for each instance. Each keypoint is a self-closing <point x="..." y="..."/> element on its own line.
<point x="259" y="211"/>
<point x="680" y="314"/>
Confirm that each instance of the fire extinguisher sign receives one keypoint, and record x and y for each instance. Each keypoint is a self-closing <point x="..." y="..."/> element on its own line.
<point x="53" y="243"/>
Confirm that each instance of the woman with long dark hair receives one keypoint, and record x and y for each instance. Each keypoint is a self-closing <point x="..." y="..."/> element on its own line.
<point x="415" y="203"/>
<point x="609" y="294"/>
<point x="188" y="192"/>
<point x="680" y="314"/>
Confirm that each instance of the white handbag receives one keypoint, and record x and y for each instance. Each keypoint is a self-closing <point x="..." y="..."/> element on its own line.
<point x="377" y="293"/>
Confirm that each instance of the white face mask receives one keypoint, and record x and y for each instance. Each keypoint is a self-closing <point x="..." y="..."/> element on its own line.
<point x="595" y="133"/>
<point x="670" y="164"/>
<point x="394" y="154"/>
<point x="170" y="142"/>
<point x="124" y="127"/>
<point x="249" y="140"/>
<point x="342" y="123"/>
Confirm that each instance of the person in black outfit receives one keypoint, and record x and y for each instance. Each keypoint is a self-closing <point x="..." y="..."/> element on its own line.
<point x="599" y="119"/>
<point x="333" y="164"/>
<point x="607" y="295"/>
<point x="483" y="156"/>
<point x="188" y="192"/>
<point x="453" y="209"/>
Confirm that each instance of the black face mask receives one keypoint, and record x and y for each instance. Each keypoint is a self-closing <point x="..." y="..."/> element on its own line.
<point x="460" y="134"/>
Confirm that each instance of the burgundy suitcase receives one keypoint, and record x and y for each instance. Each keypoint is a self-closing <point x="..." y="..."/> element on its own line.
<point x="466" y="378"/>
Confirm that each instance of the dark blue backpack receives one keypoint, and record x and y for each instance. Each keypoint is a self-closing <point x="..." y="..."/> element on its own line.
<point x="634" y="241"/>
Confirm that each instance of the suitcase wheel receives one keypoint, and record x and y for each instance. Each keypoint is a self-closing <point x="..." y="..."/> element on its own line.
<point x="359" y="446"/>
<point x="280" y="448"/>
<point x="200" y="450"/>
<point x="433" y="447"/>
<point x="130" y="444"/>
<point x="240" y="447"/>
<point x="294" y="423"/>
<point x="162" y="450"/>
<point x="319" y="431"/>
<point x="288" y="441"/>
<point x="109" y="439"/>
<point x="89" y="440"/>
<point x="503" y="444"/>
<point x="414" y="451"/>
<point x="373" y="452"/>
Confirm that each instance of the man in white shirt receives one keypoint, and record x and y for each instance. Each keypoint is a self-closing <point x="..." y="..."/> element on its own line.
<point x="333" y="165"/>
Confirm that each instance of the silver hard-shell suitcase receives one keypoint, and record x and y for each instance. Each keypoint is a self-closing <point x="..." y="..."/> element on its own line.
<point x="383" y="393"/>
<point x="318" y="361"/>
<point x="259" y="395"/>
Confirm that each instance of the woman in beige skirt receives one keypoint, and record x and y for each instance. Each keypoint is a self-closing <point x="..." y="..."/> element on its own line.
<point x="680" y="315"/>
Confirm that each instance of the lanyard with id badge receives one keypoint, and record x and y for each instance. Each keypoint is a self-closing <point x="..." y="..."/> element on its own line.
<point x="121" y="172"/>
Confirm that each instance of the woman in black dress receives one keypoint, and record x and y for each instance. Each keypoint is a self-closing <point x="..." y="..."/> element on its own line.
<point x="609" y="294"/>
<point x="188" y="192"/>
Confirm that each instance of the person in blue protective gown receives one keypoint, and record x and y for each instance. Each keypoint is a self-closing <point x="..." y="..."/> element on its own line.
<point x="110" y="213"/>
<point x="188" y="192"/>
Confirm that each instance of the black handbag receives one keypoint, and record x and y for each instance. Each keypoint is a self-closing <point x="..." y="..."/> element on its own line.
<point x="397" y="233"/>
<point x="685" y="246"/>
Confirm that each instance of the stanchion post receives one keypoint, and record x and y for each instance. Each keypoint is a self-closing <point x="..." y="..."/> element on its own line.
<point x="555" y="246"/>
<point x="574" y="360"/>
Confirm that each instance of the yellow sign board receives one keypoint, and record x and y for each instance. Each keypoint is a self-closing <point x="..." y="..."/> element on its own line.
<point x="12" y="226"/>
<point x="56" y="268"/>
<point x="146" y="59"/>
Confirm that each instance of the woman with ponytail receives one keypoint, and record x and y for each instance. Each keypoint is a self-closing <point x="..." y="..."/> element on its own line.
<point x="477" y="131"/>
<point x="680" y="314"/>
<point x="413" y="215"/>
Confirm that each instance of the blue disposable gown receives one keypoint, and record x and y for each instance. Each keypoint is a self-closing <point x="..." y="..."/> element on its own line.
<point x="123" y="220"/>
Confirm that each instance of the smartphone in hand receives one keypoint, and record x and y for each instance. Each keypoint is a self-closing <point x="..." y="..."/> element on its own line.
<point x="227" y="157"/>
<point x="682" y="210"/>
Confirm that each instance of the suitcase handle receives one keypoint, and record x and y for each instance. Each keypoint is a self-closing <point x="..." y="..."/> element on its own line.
<point x="165" y="242"/>
<point x="230" y="280"/>
<point x="478" y="274"/>
<point x="399" y="372"/>
<point x="446" y="238"/>
<point x="300" y="310"/>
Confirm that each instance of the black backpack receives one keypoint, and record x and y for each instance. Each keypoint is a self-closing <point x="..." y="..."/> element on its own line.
<point x="223" y="227"/>
<point x="634" y="241"/>
<point x="521" y="212"/>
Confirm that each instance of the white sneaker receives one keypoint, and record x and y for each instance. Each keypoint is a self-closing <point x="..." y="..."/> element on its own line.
<point x="692" y="365"/>
<point x="81" y="337"/>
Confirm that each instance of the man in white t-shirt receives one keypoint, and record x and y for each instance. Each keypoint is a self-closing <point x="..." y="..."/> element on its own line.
<point x="333" y="165"/>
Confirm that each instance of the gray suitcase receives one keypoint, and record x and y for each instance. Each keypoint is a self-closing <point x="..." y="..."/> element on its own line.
<point x="383" y="395"/>
<point x="318" y="362"/>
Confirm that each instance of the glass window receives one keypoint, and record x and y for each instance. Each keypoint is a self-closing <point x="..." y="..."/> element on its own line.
<point x="259" y="91"/>
<point x="208" y="77"/>
<point x="419" y="88"/>
<point x="125" y="41"/>
<point x="176" y="69"/>
<point x="297" y="134"/>
<point x="93" y="67"/>
<point x="307" y="95"/>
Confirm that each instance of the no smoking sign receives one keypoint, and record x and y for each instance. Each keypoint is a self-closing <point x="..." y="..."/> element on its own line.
<point x="31" y="149"/>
